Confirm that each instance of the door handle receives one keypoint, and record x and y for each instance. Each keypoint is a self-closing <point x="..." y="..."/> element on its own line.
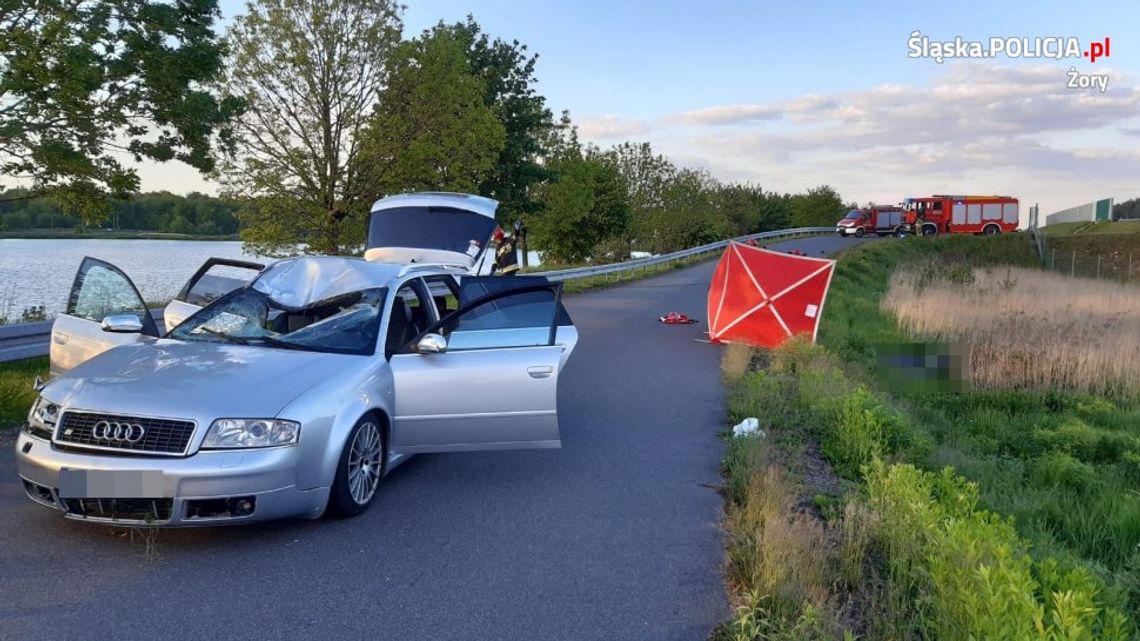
<point x="59" y="338"/>
<point x="540" y="371"/>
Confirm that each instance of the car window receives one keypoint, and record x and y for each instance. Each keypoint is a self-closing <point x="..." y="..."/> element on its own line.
<point x="100" y="292"/>
<point x="409" y="318"/>
<point x="346" y="324"/>
<point x="218" y="281"/>
<point x="444" y="293"/>
<point x="517" y="319"/>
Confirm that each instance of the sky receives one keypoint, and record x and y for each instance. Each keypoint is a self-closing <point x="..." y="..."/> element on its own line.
<point x="793" y="95"/>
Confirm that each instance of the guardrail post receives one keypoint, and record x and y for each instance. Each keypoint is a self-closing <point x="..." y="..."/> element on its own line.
<point x="1073" y="264"/>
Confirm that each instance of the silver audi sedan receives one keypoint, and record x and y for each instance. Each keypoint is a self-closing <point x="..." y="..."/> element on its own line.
<point x="292" y="390"/>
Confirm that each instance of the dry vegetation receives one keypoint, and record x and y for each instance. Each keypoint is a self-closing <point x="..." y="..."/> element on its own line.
<point x="1027" y="329"/>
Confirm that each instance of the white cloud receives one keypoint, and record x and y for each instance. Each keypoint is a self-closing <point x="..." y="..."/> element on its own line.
<point x="607" y="127"/>
<point x="726" y="115"/>
<point x="976" y="127"/>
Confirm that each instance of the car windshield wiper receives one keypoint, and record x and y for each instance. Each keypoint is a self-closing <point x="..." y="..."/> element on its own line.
<point x="277" y="342"/>
<point x="240" y="340"/>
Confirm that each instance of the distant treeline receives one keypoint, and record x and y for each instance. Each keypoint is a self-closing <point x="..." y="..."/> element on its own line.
<point x="159" y="211"/>
<point x="1126" y="209"/>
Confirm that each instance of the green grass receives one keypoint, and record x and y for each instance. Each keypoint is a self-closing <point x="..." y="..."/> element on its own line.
<point x="1000" y="514"/>
<point x="1065" y="466"/>
<point x="1092" y="228"/>
<point x="16" y="393"/>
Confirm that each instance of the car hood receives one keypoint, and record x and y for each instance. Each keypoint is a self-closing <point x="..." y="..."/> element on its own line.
<point x="192" y="380"/>
<point x="846" y="222"/>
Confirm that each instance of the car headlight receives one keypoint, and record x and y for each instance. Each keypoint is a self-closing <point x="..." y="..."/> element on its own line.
<point x="226" y="433"/>
<point x="42" y="418"/>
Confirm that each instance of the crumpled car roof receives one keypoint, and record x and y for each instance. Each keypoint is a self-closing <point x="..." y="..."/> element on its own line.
<point x="300" y="282"/>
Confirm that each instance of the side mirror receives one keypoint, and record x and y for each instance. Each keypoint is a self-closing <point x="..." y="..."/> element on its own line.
<point x="122" y="324"/>
<point x="432" y="344"/>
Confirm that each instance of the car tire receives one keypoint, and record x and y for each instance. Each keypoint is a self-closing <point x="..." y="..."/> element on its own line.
<point x="859" y="232"/>
<point x="929" y="230"/>
<point x="991" y="230"/>
<point x="360" y="469"/>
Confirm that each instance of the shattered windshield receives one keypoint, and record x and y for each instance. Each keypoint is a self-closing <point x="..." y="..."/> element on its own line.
<point x="345" y="324"/>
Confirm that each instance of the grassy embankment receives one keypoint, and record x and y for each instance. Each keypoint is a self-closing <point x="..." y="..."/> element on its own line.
<point x="1007" y="512"/>
<point x="16" y="393"/>
<point x="1107" y="249"/>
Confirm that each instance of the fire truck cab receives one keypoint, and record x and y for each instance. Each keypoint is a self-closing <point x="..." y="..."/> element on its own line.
<point x="876" y="219"/>
<point x="953" y="214"/>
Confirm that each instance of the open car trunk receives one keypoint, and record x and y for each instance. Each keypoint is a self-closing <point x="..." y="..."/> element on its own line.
<point x="440" y="228"/>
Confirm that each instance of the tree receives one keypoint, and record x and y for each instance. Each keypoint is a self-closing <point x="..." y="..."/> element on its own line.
<point x="819" y="207"/>
<point x="311" y="72"/>
<point x="432" y="129"/>
<point x="84" y="82"/>
<point x="586" y="204"/>
<point x="507" y="71"/>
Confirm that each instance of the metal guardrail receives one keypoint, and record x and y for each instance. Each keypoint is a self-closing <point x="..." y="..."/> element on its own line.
<point x="27" y="340"/>
<point x="24" y="340"/>
<point x="641" y="263"/>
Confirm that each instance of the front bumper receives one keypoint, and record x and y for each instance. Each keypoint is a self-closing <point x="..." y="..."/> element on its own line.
<point x="845" y="231"/>
<point x="268" y="476"/>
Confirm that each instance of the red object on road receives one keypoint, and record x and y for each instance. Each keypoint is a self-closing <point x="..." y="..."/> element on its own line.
<point x="763" y="297"/>
<point x="676" y="318"/>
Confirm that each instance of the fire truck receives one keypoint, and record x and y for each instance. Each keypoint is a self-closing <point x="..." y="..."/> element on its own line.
<point x="951" y="214"/>
<point x="876" y="219"/>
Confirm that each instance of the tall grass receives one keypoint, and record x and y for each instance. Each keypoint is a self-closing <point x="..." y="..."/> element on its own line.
<point x="1027" y="329"/>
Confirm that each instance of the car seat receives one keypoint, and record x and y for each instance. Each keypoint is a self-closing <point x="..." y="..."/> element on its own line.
<point x="401" y="328"/>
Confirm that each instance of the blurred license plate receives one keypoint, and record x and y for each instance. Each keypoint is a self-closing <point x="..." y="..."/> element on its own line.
<point x="110" y="484"/>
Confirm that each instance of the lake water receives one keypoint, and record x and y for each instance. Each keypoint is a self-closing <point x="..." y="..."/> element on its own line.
<point x="40" y="272"/>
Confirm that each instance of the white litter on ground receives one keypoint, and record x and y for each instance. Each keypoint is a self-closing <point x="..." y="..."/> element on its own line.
<point x="748" y="427"/>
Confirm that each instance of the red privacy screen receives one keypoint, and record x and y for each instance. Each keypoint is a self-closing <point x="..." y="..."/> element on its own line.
<point x="763" y="297"/>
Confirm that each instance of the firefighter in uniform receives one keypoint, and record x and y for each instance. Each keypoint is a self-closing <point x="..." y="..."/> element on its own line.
<point x="506" y="255"/>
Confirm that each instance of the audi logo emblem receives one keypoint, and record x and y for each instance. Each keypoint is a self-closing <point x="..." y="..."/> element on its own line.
<point x="118" y="432"/>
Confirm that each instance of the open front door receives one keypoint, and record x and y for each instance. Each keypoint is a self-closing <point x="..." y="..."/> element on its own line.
<point x="100" y="290"/>
<point x="214" y="279"/>
<point x="494" y="386"/>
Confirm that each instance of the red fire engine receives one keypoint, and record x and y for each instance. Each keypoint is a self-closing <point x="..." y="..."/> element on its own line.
<point x="875" y="219"/>
<point x="948" y="214"/>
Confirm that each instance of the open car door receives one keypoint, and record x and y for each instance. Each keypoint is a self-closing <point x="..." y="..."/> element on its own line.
<point x="484" y="377"/>
<point x="104" y="310"/>
<point x="214" y="279"/>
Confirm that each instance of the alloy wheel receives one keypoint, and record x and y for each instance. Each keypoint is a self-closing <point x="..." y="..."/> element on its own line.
<point x="364" y="463"/>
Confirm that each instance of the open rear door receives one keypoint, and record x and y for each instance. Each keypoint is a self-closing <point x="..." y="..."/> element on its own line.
<point x="214" y="279"/>
<point x="100" y="290"/>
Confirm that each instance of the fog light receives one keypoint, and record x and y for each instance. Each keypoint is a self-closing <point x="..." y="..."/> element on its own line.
<point x="243" y="507"/>
<point x="227" y="508"/>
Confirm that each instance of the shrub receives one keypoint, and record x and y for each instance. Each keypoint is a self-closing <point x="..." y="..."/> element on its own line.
<point x="957" y="572"/>
<point x="1059" y="469"/>
<point x="861" y="430"/>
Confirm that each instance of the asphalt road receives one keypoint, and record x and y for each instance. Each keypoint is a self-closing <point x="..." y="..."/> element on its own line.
<point x="614" y="536"/>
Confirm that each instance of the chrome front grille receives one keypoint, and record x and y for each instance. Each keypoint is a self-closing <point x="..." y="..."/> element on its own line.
<point x="89" y="430"/>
